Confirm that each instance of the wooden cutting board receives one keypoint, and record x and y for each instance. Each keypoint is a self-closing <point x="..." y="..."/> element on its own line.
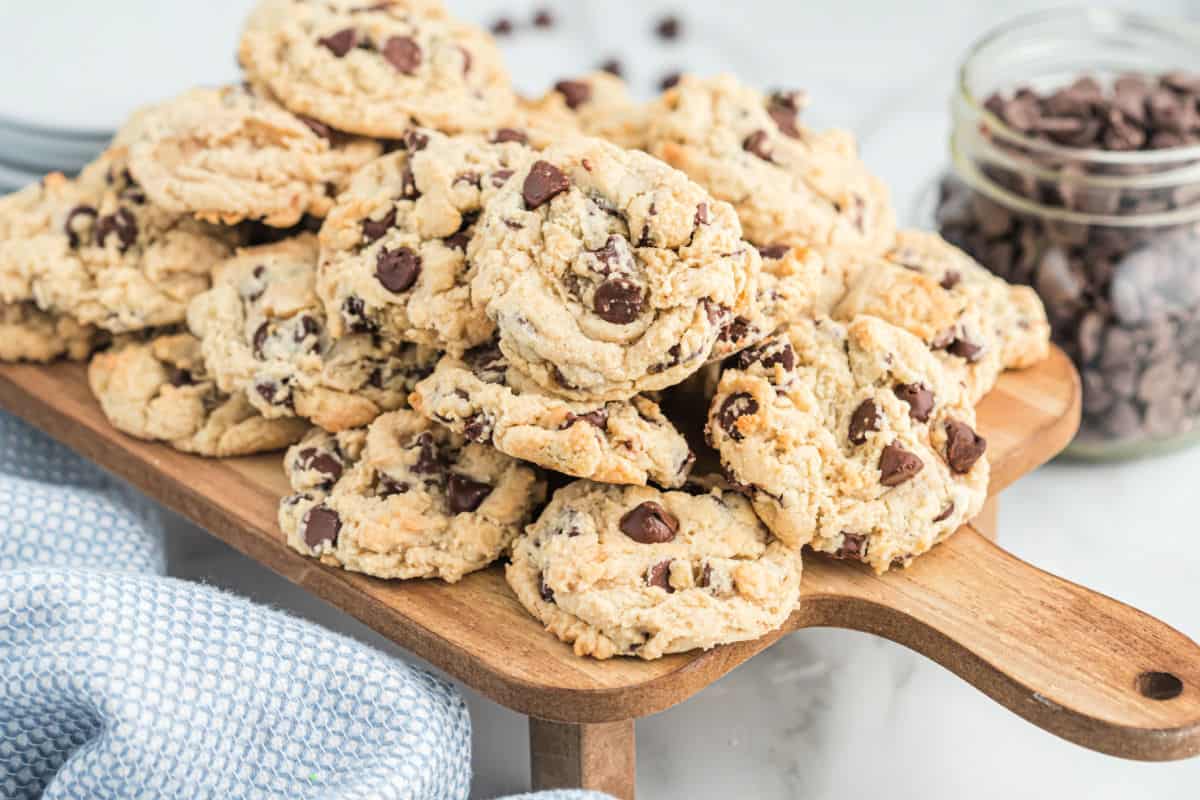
<point x="1071" y="661"/>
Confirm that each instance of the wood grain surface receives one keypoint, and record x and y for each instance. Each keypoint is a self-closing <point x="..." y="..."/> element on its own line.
<point x="1065" y="658"/>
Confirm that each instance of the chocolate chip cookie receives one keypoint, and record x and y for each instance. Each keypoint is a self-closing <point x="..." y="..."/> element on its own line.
<point x="229" y="154"/>
<point x="405" y="498"/>
<point x="29" y="334"/>
<point x="376" y="69"/>
<point x="394" y="249"/>
<point x="852" y="439"/>
<point x="597" y="104"/>
<point x="159" y="390"/>
<point x="607" y="272"/>
<point x="621" y="441"/>
<point x="263" y="332"/>
<point x="790" y="184"/>
<point x="97" y="250"/>
<point x="627" y="570"/>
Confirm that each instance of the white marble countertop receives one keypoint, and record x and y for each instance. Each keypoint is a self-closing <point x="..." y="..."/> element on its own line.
<point x="830" y="714"/>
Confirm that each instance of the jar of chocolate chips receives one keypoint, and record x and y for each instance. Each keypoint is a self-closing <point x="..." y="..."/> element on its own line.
<point x="1076" y="152"/>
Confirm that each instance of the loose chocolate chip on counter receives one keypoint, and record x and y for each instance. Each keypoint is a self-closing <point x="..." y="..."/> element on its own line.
<point x="619" y="301"/>
<point x="963" y="446"/>
<point x="650" y="523"/>
<point x="660" y="575"/>
<point x="897" y="465"/>
<point x="321" y="526"/>
<point x="340" y="43"/>
<point x="864" y="420"/>
<point x="544" y="182"/>
<point x="668" y="28"/>
<point x="575" y="93"/>
<point x="76" y="223"/>
<point x="919" y="398"/>
<point x="403" y="53"/>
<point x="502" y="27"/>
<point x="854" y="547"/>
<point x="758" y="144"/>
<point x="465" y="495"/>
<point x="613" y="67"/>
<point x="510" y="135"/>
<point x="397" y="269"/>
<point x="543" y="18"/>
<point x="734" y="408"/>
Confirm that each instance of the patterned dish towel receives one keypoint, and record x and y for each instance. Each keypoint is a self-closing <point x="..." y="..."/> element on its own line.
<point x="117" y="683"/>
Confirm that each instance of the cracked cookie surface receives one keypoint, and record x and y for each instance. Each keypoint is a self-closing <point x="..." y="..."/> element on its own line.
<point x="263" y="332"/>
<point x="852" y="439"/>
<point x="607" y="272"/>
<point x="405" y="498"/>
<point x="620" y="441"/>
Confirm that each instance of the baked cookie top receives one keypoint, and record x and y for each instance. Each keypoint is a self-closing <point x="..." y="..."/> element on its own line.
<point x="159" y="390"/>
<point x="228" y="154"/>
<point x="96" y="249"/>
<point x="607" y="272"/>
<point x="850" y="438"/>
<point x="29" y="334"/>
<point x="394" y="248"/>
<point x="789" y="184"/>
<point x="629" y="570"/>
<point x="405" y="498"/>
<point x="596" y="104"/>
<point x="263" y="331"/>
<point x="376" y="69"/>
<point x="620" y="441"/>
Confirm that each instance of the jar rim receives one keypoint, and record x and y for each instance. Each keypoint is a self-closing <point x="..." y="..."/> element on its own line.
<point x="1179" y="30"/>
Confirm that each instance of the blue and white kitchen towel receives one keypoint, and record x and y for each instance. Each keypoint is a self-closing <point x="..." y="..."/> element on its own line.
<point x="118" y="683"/>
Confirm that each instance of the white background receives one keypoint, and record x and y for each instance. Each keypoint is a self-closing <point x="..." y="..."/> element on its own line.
<point x="825" y="714"/>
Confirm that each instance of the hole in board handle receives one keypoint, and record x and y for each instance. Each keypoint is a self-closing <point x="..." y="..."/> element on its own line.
<point x="1159" y="685"/>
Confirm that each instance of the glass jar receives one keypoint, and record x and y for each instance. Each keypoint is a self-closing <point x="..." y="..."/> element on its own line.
<point x="1109" y="239"/>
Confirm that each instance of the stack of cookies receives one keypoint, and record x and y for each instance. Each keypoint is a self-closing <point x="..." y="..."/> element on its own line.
<point x="456" y="304"/>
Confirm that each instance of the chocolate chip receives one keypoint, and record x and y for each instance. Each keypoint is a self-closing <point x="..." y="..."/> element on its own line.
<point x="403" y="53"/>
<point x="965" y="349"/>
<point x="355" y="313"/>
<point x="415" y="141"/>
<point x="660" y="575"/>
<point x="854" y="547"/>
<point x="308" y="327"/>
<point x="774" y="251"/>
<point x="465" y="495"/>
<point x="340" y="43"/>
<point x="702" y="214"/>
<point x="575" y="93"/>
<point x="321" y="526"/>
<point x="758" y="144"/>
<point x="319" y="128"/>
<point x="649" y="523"/>
<point x="325" y="463"/>
<point x="500" y="177"/>
<point x="897" y="465"/>
<point x="374" y="230"/>
<point x="260" y="338"/>
<point x="598" y="418"/>
<point x="668" y="28"/>
<point x="429" y="461"/>
<point x="181" y="377"/>
<point x="275" y="393"/>
<point x="122" y="223"/>
<point x="510" y="135"/>
<point x="919" y="398"/>
<point x="543" y="18"/>
<point x="544" y="591"/>
<point x="963" y="446"/>
<point x="946" y="512"/>
<point x="705" y="579"/>
<point x="784" y="108"/>
<point x="864" y="420"/>
<point x="397" y="269"/>
<point x="479" y="428"/>
<point x="502" y="27"/>
<point x="462" y="237"/>
<point x="408" y="184"/>
<point x="613" y="67"/>
<point x="388" y="487"/>
<point x="619" y="301"/>
<point x="544" y="182"/>
<point x="86" y="215"/>
<point x="734" y="408"/>
<point x="951" y="279"/>
<point x="669" y="81"/>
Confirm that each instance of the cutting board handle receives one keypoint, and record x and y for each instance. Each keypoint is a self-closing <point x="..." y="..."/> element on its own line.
<point x="1073" y="662"/>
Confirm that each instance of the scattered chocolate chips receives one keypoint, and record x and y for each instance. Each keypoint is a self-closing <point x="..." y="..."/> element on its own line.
<point x="575" y="93"/>
<point x="758" y="144"/>
<point x="897" y="465"/>
<point x="864" y="420"/>
<point x="544" y="182"/>
<point x="465" y="495"/>
<point x="660" y="575"/>
<point x="374" y="230"/>
<point x="619" y="301"/>
<point x="321" y="526"/>
<point x="854" y="547"/>
<point x="340" y="43"/>
<point x="963" y="446"/>
<point x="543" y="18"/>
<point x="397" y="269"/>
<point x="403" y="53"/>
<point x="919" y="398"/>
<point x="649" y="523"/>
<point x="734" y="408"/>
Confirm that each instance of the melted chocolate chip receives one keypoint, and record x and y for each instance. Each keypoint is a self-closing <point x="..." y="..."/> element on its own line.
<point x="122" y="223"/>
<point x="340" y="43"/>
<point x="403" y="53"/>
<point x="897" y="465"/>
<point x="397" y="269"/>
<point x="864" y="420"/>
<point x="321" y="525"/>
<point x="478" y="428"/>
<point x="429" y="461"/>
<point x="598" y="418"/>
<point x="464" y="494"/>
<point x="919" y="398"/>
<point x="575" y="93"/>
<point x="965" y="349"/>
<point x="669" y="81"/>
<point x="963" y="446"/>
<point x="355" y="313"/>
<point x="660" y="575"/>
<point x="649" y="523"/>
<point x="325" y="463"/>
<point x="734" y="408"/>
<point x="374" y="230"/>
<point x="619" y="301"/>
<point x="544" y="182"/>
